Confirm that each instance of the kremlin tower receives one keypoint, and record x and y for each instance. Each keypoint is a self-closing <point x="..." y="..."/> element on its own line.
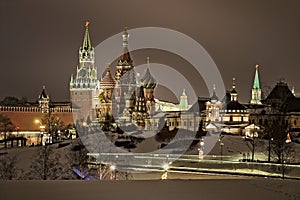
<point x="256" y="91"/>
<point x="83" y="86"/>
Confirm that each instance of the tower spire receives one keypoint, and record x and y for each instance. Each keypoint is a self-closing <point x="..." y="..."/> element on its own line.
<point x="214" y="96"/>
<point x="233" y="83"/>
<point x="125" y="62"/>
<point x="125" y="37"/>
<point x="256" y="91"/>
<point x="233" y="93"/>
<point x="256" y="78"/>
<point x="86" y="41"/>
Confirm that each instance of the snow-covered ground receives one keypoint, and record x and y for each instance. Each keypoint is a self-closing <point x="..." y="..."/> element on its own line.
<point x="153" y="189"/>
<point x="233" y="148"/>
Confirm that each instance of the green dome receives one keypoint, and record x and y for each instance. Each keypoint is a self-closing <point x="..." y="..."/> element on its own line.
<point x="148" y="81"/>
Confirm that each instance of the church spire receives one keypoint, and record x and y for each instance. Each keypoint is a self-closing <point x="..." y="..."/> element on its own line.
<point x="125" y="37"/>
<point x="86" y="51"/>
<point x="233" y="93"/>
<point x="256" y="91"/>
<point x="125" y="62"/>
<point x="214" y="96"/>
<point x="256" y="78"/>
<point x="86" y="41"/>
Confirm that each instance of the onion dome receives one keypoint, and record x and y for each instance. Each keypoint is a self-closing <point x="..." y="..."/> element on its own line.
<point x="214" y="96"/>
<point x="148" y="81"/>
<point x="107" y="82"/>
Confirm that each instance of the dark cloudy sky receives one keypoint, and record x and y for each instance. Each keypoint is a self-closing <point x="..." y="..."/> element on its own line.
<point x="40" y="39"/>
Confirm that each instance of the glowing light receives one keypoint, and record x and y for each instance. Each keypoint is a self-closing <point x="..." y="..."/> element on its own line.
<point x="112" y="167"/>
<point x="165" y="167"/>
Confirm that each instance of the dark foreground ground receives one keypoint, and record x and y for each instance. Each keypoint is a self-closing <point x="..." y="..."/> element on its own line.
<point x="254" y="189"/>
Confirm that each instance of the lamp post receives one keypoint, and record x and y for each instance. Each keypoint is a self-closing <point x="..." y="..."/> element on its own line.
<point x="113" y="175"/>
<point x="200" y="149"/>
<point x="221" y="146"/>
<point x="164" y="176"/>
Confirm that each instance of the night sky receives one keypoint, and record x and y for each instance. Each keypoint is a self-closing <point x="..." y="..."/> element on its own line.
<point x="40" y="39"/>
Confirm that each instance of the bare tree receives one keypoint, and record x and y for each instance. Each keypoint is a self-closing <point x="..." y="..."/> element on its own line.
<point x="6" y="126"/>
<point x="8" y="168"/>
<point x="45" y="164"/>
<point x="276" y="131"/>
<point x="253" y="143"/>
<point x="284" y="154"/>
<point x="78" y="160"/>
<point x="53" y="124"/>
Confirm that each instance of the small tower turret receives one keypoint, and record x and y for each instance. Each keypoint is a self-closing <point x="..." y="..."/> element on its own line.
<point x="44" y="101"/>
<point x="183" y="104"/>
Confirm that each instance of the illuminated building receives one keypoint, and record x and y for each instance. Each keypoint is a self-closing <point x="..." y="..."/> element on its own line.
<point x="256" y="91"/>
<point x="25" y="117"/>
<point x="84" y="86"/>
<point x="234" y="114"/>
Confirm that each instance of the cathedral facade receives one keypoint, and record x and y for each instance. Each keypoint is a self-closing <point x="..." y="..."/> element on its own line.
<point x="121" y="96"/>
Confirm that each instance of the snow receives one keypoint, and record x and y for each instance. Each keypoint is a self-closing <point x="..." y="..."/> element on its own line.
<point x="206" y="188"/>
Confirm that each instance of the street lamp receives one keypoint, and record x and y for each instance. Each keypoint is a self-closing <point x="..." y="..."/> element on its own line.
<point x="221" y="147"/>
<point x="42" y="129"/>
<point x="200" y="149"/>
<point x="164" y="176"/>
<point x="113" y="174"/>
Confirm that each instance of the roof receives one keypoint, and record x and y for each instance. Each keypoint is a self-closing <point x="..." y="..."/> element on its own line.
<point x="252" y="127"/>
<point x="256" y="79"/>
<point x="148" y="81"/>
<point x="233" y="91"/>
<point x="125" y="58"/>
<point x="43" y="95"/>
<point x="214" y="96"/>
<point x="107" y="81"/>
<point x="86" y="41"/>
<point x="280" y="92"/>
<point x="291" y="105"/>
<point x="234" y="105"/>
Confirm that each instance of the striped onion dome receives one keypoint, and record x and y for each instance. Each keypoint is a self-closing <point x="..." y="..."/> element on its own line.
<point x="148" y="81"/>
